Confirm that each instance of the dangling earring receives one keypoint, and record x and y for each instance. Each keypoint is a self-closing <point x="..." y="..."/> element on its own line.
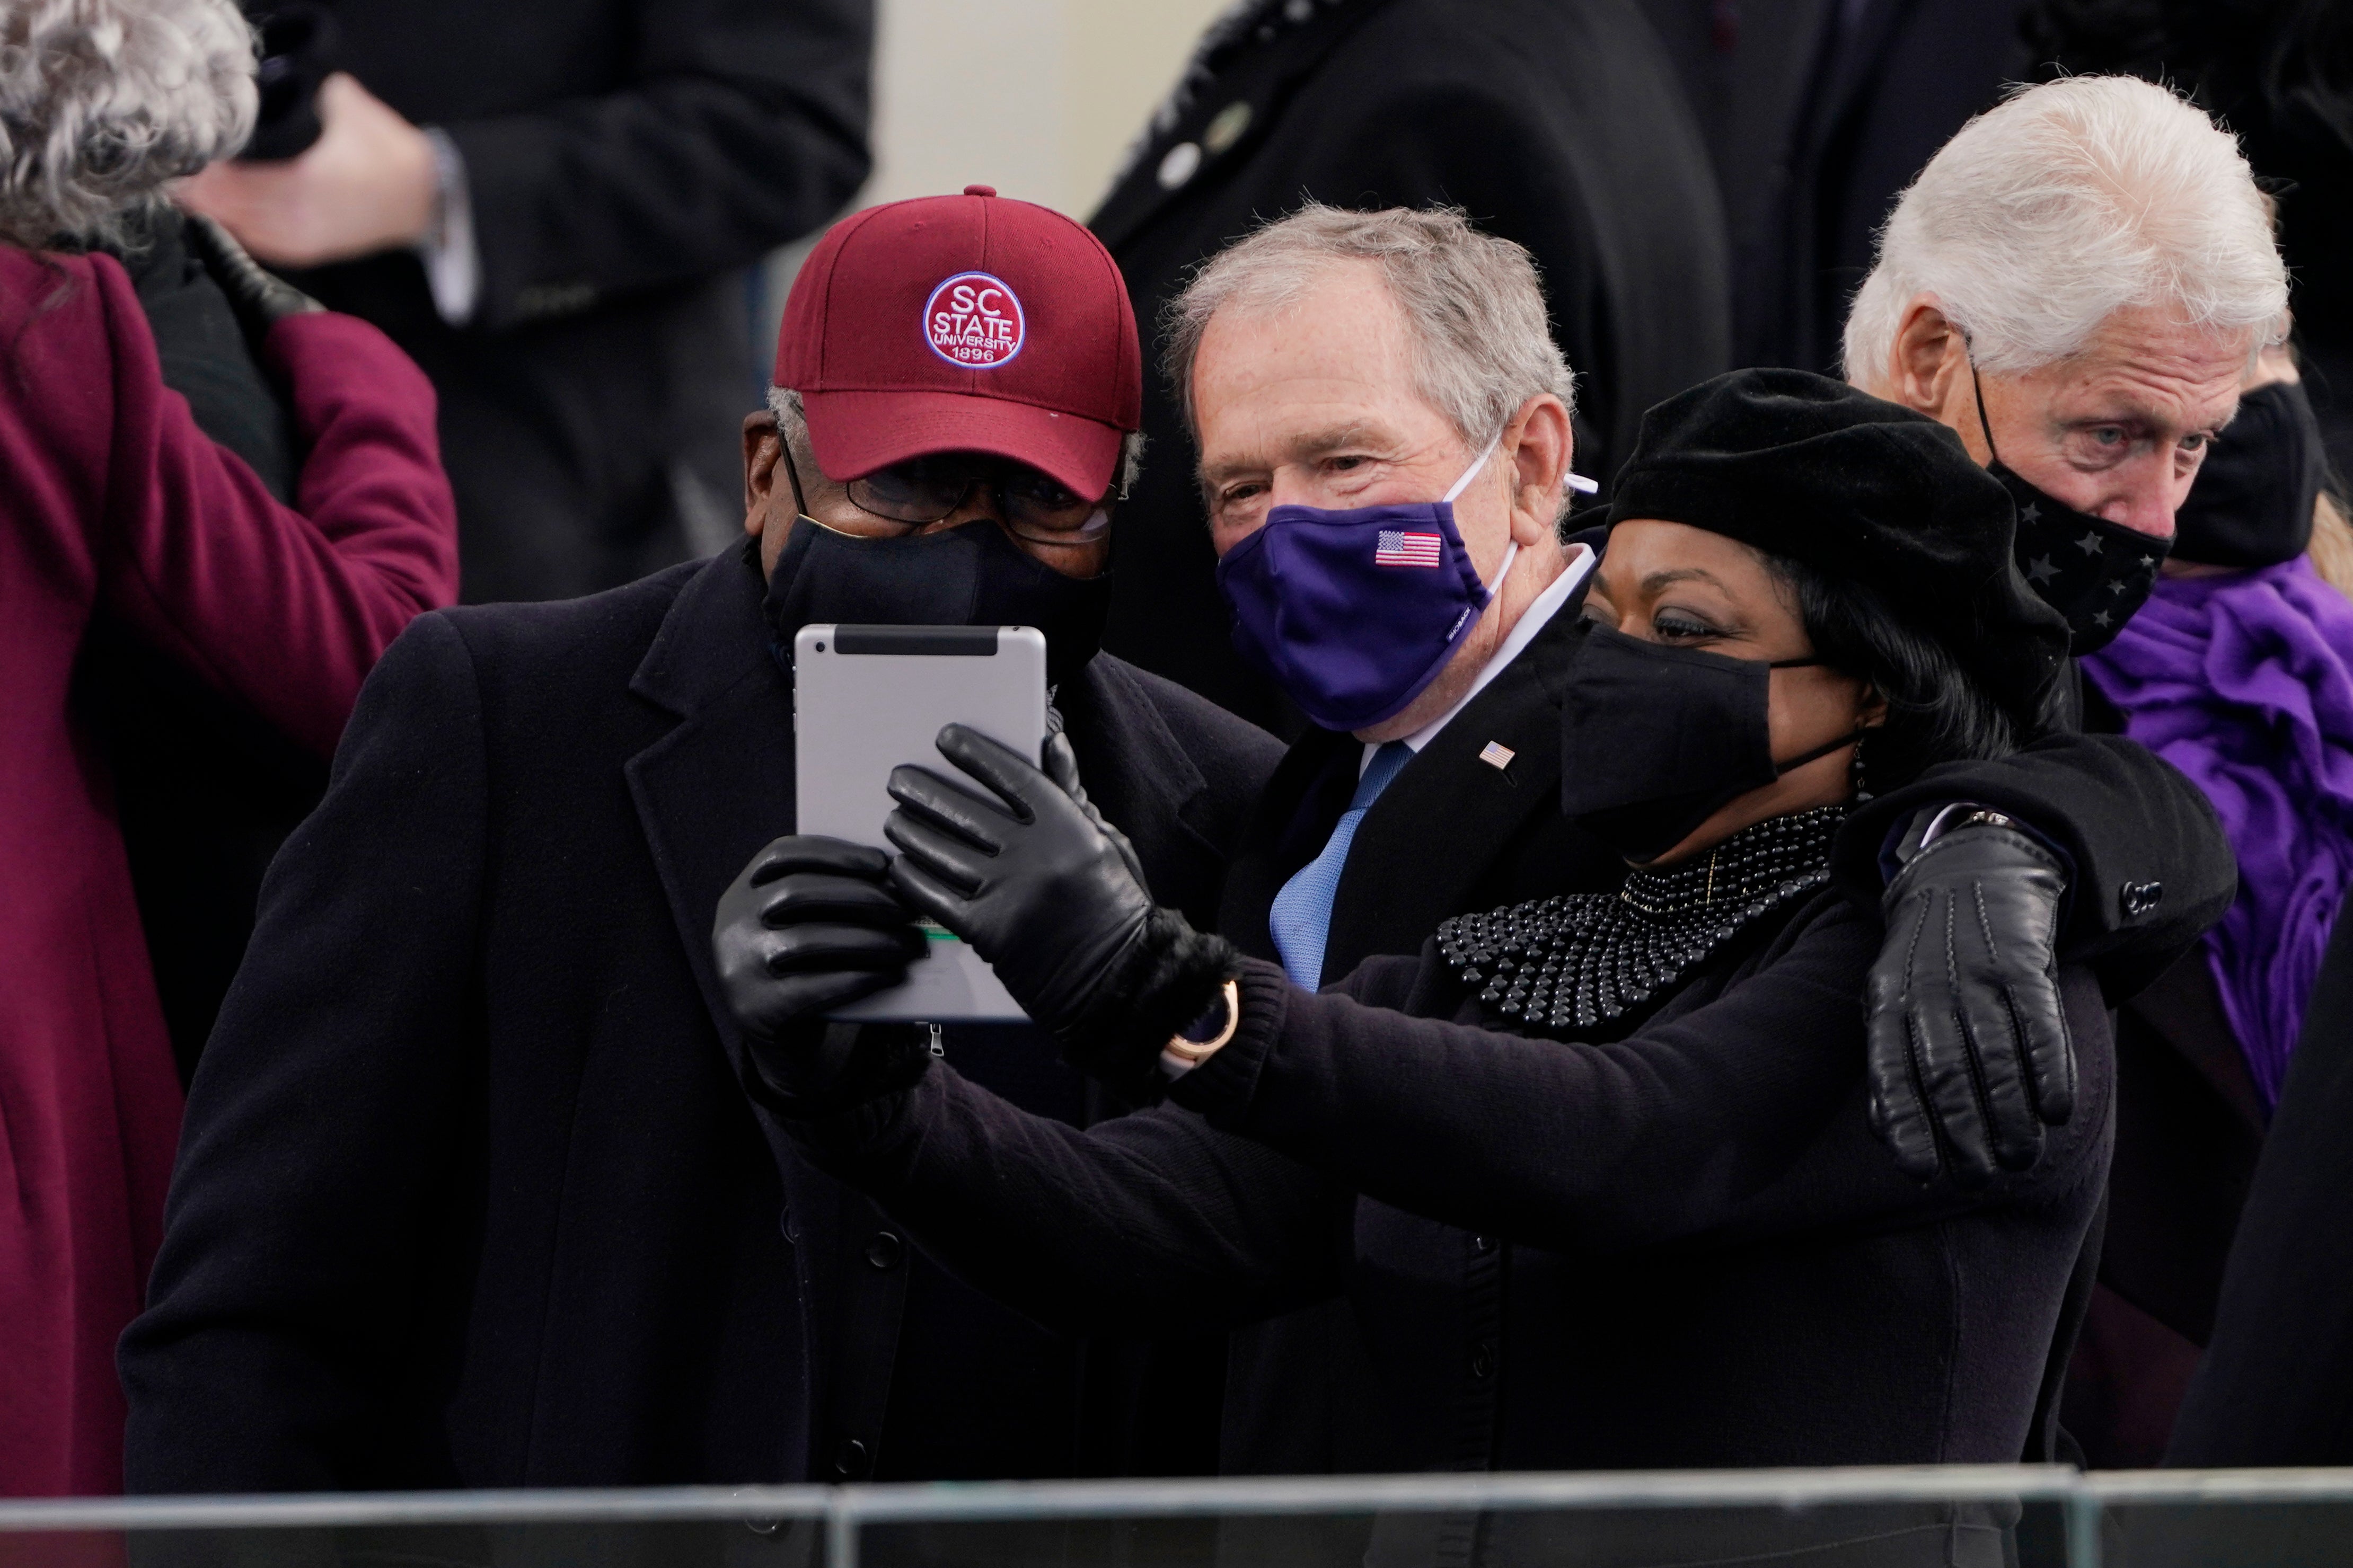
<point x="1855" y="770"/>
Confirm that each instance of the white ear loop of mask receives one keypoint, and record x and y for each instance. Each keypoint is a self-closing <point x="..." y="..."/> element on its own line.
<point x="1511" y="550"/>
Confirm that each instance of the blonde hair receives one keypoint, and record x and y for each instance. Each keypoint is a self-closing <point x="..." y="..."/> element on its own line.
<point x="2332" y="544"/>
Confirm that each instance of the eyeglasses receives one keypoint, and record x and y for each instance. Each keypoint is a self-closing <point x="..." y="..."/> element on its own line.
<point x="925" y="490"/>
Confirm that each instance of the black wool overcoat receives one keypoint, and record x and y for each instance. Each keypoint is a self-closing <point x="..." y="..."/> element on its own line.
<point x="470" y="1193"/>
<point x="1561" y="127"/>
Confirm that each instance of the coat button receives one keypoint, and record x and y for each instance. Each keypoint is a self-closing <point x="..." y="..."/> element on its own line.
<point x="885" y="1249"/>
<point x="2139" y="898"/>
<point x="1178" y="167"/>
<point x="1225" y="128"/>
<point x="852" y="1460"/>
<point x="1482" y="1360"/>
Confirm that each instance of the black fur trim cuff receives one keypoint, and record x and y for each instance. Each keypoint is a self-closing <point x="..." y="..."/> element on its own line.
<point x="1167" y="978"/>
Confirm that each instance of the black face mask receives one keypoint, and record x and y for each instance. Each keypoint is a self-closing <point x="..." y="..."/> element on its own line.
<point x="2094" y="571"/>
<point x="2252" y="504"/>
<point x="970" y="575"/>
<point x="1655" y="740"/>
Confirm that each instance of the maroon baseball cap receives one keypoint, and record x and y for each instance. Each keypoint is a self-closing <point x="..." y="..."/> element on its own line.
<point x="970" y="323"/>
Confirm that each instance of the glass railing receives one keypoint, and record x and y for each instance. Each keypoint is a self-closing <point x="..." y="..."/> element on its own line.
<point x="1951" y="1517"/>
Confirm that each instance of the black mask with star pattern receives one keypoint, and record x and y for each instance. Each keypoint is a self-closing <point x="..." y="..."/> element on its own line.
<point x="2094" y="571"/>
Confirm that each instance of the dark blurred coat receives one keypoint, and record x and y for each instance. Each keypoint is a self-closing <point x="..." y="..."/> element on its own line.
<point x="112" y="497"/>
<point x="628" y="159"/>
<point x="471" y="1194"/>
<point x="1886" y="83"/>
<point x="1560" y="126"/>
<point x="205" y="791"/>
<point x="2276" y="1387"/>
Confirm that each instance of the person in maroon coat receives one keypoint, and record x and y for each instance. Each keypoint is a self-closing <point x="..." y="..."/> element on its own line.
<point x="114" y="499"/>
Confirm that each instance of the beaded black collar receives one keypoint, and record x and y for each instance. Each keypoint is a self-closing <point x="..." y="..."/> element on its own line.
<point x="1576" y="962"/>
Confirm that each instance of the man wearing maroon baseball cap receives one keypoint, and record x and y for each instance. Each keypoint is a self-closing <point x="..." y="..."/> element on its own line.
<point x="962" y="370"/>
<point x="475" y="1111"/>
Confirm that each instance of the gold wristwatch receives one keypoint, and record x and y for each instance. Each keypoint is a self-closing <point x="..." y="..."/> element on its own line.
<point x="1192" y="1051"/>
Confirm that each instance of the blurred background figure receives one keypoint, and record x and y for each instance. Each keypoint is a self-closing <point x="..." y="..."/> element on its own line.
<point x="1817" y="114"/>
<point x="554" y="206"/>
<point x="2239" y="671"/>
<point x="118" y="505"/>
<point x="1563" y="127"/>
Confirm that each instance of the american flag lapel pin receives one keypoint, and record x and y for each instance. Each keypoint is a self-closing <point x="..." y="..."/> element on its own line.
<point x="1405" y="547"/>
<point x="1497" y="755"/>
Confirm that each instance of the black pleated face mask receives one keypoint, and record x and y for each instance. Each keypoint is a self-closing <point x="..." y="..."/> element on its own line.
<point x="970" y="575"/>
<point x="2094" y="571"/>
<point x="2251" y="503"/>
<point x="1655" y="740"/>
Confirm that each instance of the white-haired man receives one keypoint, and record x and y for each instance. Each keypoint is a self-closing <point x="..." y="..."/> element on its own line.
<point x="2078" y="284"/>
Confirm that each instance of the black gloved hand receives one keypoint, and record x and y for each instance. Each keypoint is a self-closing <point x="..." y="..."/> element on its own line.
<point x="1028" y="879"/>
<point x="1054" y="903"/>
<point x="1969" y="1056"/>
<point x="260" y="297"/>
<point x="810" y="924"/>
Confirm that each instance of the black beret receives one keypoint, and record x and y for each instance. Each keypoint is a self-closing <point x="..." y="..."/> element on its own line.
<point x="1797" y="465"/>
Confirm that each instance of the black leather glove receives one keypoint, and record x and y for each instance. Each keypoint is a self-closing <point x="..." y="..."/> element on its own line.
<point x="1969" y="1054"/>
<point x="810" y="924"/>
<point x="1054" y="903"/>
<point x="260" y="297"/>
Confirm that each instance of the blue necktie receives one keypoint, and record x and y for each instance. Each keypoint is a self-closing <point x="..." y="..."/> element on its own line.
<point x="1301" y="921"/>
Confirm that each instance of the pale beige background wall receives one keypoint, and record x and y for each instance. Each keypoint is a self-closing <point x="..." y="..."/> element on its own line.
<point x="1035" y="97"/>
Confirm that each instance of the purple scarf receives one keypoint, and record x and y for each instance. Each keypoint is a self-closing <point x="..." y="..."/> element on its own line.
<point x="2245" y="683"/>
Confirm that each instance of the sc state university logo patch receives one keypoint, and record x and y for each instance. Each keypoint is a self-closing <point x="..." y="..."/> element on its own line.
<point x="973" y="320"/>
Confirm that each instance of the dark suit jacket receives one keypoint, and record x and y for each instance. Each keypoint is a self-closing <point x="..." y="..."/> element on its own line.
<point x="1561" y="127"/>
<point x="1450" y="835"/>
<point x="627" y="160"/>
<point x="470" y="1193"/>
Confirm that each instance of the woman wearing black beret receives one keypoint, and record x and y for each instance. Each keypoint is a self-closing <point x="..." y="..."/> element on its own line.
<point x="1595" y="1176"/>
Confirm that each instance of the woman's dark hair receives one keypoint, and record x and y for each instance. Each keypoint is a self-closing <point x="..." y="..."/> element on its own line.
<point x="1937" y="711"/>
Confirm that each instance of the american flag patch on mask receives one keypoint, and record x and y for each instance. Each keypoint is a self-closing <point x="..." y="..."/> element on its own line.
<point x="1397" y="547"/>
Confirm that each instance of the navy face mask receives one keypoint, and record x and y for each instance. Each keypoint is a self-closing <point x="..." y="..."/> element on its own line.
<point x="1353" y="613"/>
<point x="1655" y="740"/>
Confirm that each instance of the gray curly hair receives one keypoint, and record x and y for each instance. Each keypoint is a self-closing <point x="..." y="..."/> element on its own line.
<point x="102" y="101"/>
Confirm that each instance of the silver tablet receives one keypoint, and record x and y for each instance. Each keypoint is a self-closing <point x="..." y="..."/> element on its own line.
<point x="867" y="699"/>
